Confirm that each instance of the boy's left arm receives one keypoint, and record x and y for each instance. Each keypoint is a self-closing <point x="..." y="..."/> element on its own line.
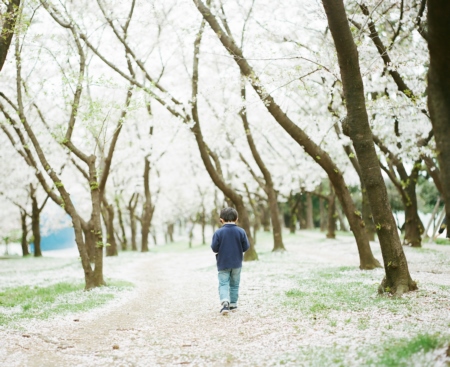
<point x="215" y="243"/>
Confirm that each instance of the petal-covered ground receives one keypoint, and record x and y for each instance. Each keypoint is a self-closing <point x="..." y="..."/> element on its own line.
<point x="310" y="306"/>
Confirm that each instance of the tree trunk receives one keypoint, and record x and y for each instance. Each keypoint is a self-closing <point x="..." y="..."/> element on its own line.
<point x="331" y="221"/>
<point x="294" y="207"/>
<point x="24" y="241"/>
<point x="342" y="224"/>
<point x="89" y="242"/>
<point x="323" y="215"/>
<point x="268" y="188"/>
<point x="367" y="215"/>
<point x="8" y="28"/>
<point x="413" y="224"/>
<point x="367" y="261"/>
<point x="170" y="231"/>
<point x="265" y="217"/>
<point x="203" y="224"/>
<point x="35" y="226"/>
<point x="301" y="214"/>
<point x="133" y="226"/>
<point x="309" y="211"/>
<point x="111" y="247"/>
<point x="439" y="87"/>
<point x="96" y="278"/>
<point x="148" y="208"/>
<point x="397" y="279"/>
<point x="123" y="235"/>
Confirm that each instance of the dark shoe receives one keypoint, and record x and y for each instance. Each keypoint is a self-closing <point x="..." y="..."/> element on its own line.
<point x="233" y="308"/>
<point x="225" y="308"/>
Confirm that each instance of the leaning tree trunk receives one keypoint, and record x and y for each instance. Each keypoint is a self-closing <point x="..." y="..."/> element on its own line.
<point x="35" y="226"/>
<point x="439" y="87"/>
<point x="367" y="260"/>
<point x="397" y="279"/>
<point x="24" y="241"/>
<point x="268" y="187"/>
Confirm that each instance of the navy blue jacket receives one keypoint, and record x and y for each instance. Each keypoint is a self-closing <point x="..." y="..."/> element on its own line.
<point x="229" y="242"/>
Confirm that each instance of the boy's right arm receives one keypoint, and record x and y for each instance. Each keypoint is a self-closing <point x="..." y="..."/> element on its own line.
<point x="245" y="243"/>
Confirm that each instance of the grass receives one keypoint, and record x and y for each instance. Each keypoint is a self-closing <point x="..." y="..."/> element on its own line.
<point x="339" y="289"/>
<point x="404" y="352"/>
<point x="442" y="241"/>
<point x="343" y="298"/>
<point x="33" y="302"/>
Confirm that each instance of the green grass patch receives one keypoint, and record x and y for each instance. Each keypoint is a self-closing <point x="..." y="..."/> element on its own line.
<point x="442" y="241"/>
<point x="403" y="353"/>
<point x="32" y="302"/>
<point x="339" y="289"/>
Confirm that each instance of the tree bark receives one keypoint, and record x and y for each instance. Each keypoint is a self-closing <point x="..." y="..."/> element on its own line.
<point x="108" y="217"/>
<point x="133" y="226"/>
<point x="367" y="261"/>
<point x="323" y="215"/>
<point x="301" y="213"/>
<point x="397" y="279"/>
<point x="309" y="211"/>
<point x="148" y="208"/>
<point x="8" y="29"/>
<point x="331" y="220"/>
<point x="123" y="234"/>
<point x="439" y="87"/>
<point x="342" y="224"/>
<point x="170" y="230"/>
<point x="24" y="240"/>
<point x="413" y="224"/>
<point x="35" y="224"/>
<point x="367" y="214"/>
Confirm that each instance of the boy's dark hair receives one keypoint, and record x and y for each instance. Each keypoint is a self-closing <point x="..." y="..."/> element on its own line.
<point x="229" y="214"/>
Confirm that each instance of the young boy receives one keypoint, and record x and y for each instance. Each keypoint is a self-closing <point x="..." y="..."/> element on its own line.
<point x="229" y="243"/>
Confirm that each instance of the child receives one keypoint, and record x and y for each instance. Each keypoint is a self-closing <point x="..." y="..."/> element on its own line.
<point x="229" y="243"/>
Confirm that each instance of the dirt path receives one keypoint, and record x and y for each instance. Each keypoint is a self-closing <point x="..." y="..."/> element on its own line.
<point x="172" y="317"/>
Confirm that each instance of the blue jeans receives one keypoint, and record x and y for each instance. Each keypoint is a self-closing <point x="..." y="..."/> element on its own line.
<point x="229" y="285"/>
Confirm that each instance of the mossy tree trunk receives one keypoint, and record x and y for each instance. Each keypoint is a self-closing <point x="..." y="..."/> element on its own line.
<point x="397" y="279"/>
